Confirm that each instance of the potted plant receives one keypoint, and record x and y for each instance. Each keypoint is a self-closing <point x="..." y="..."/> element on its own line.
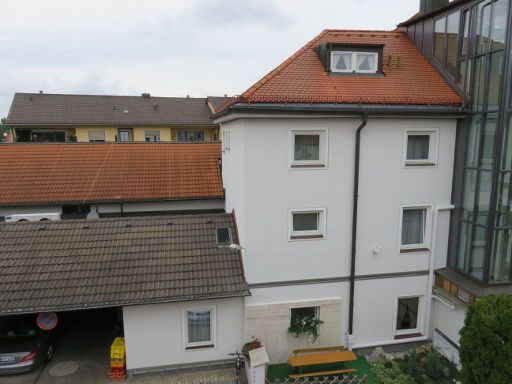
<point x="255" y="360"/>
<point x="305" y="324"/>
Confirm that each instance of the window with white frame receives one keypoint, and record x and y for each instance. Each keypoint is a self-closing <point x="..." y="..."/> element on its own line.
<point x="199" y="327"/>
<point x="226" y="138"/>
<point x="307" y="224"/>
<point x="308" y="148"/>
<point x="354" y="62"/>
<point x="152" y="135"/>
<point x="421" y="148"/>
<point x="408" y="316"/>
<point x="413" y="231"/>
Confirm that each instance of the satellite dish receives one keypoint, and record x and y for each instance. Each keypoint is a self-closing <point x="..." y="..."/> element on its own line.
<point x="93" y="215"/>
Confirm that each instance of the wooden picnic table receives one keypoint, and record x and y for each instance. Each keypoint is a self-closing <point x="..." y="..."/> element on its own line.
<point x="321" y="358"/>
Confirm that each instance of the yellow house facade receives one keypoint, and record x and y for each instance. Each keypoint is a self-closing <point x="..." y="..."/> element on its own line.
<point x="38" y="117"/>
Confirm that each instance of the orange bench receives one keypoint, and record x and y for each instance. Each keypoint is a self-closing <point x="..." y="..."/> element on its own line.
<point x="317" y="356"/>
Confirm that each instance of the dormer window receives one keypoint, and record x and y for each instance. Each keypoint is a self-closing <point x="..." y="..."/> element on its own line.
<point x="354" y="62"/>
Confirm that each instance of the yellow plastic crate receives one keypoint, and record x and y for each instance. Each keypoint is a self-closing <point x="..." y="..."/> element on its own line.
<point x="117" y="348"/>
<point x="117" y="362"/>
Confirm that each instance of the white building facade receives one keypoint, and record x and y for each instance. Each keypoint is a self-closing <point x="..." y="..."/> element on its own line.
<point x="275" y="197"/>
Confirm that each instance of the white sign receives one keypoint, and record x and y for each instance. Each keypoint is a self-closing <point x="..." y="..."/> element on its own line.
<point x="258" y="356"/>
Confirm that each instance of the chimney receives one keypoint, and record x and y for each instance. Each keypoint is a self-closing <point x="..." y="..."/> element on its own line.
<point x="40" y="92"/>
<point x="428" y="6"/>
<point x="146" y="95"/>
<point x="188" y="96"/>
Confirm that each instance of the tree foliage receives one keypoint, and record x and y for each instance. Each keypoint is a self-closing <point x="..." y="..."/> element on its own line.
<point x="486" y="341"/>
<point x="3" y="128"/>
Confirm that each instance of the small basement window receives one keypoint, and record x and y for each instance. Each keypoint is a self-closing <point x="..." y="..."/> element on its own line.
<point x="224" y="236"/>
<point x="408" y="317"/>
<point x="354" y="62"/>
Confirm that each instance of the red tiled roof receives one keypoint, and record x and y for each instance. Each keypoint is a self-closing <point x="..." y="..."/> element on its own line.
<point x="303" y="79"/>
<point x="88" y="172"/>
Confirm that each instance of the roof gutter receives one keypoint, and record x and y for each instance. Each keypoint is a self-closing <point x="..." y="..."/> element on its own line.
<point x="355" y="199"/>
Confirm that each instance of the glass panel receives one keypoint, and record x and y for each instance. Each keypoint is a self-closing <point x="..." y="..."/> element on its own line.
<point x="489" y="134"/>
<point x="407" y="315"/>
<point x="474" y="141"/>
<point x="484" y="195"/>
<point x="499" y="24"/>
<point x="478" y="252"/>
<point x="495" y="80"/>
<point x="413" y="226"/>
<point x="305" y="221"/>
<point x="483" y="26"/>
<point x="507" y="146"/>
<point x="366" y="62"/>
<point x="465" y="41"/>
<point x="307" y="148"/>
<point x="439" y="39"/>
<point x="417" y="147"/>
<point x="468" y="201"/>
<point x="223" y="236"/>
<point x="468" y="77"/>
<point x="342" y="61"/>
<point x="464" y="246"/>
<point x="452" y="37"/>
<point x="124" y="135"/>
<point x="501" y="262"/>
<point x="479" y="85"/>
<point x="199" y="136"/>
<point x="462" y="73"/>
<point x="199" y="326"/>
<point x="504" y="207"/>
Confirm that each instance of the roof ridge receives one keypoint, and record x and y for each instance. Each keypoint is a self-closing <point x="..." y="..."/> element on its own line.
<point x="362" y="30"/>
<point x="106" y="95"/>
<point x="283" y="65"/>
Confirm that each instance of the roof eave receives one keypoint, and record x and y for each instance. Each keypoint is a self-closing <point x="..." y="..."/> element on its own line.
<point x="454" y="111"/>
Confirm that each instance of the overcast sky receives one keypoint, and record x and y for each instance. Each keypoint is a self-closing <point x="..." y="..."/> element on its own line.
<point x="166" y="47"/>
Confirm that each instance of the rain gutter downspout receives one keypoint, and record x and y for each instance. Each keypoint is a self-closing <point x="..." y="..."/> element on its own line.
<point x="354" y="223"/>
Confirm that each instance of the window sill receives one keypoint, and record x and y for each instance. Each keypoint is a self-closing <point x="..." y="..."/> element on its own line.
<point x="209" y="346"/>
<point x="408" y="336"/>
<point x="307" y="237"/>
<point x="308" y="166"/>
<point x="414" y="250"/>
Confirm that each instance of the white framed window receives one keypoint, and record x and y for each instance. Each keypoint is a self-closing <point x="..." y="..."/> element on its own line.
<point x="414" y="228"/>
<point x="307" y="224"/>
<point x="358" y="62"/>
<point x="408" y="316"/>
<point x="226" y="141"/>
<point x="96" y="136"/>
<point x="308" y="148"/>
<point x="199" y="327"/>
<point x="421" y="147"/>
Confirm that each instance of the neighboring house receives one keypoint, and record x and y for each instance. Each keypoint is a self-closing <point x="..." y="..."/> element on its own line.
<point x="114" y="179"/>
<point x="39" y="117"/>
<point x="470" y="44"/>
<point x="179" y="284"/>
<point x="339" y="165"/>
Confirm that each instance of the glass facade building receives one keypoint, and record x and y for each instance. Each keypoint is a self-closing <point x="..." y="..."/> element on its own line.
<point x="470" y="44"/>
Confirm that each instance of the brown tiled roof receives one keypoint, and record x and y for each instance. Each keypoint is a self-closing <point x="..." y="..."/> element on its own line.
<point x="101" y="172"/>
<point x="76" y="110"/>
<point x="217" y="102"/>
<point x="303" y="79"/>
<point x="78" y="264"/>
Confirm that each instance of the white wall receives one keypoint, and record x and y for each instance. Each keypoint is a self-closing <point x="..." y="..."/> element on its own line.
<point x="261" y="188"/>
<point x="154" y="333"/>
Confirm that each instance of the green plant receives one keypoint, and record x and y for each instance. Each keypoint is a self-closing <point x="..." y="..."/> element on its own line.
<point x="255" y="343"/>
<point x="486" y="341"/>
<point x="413" y="367"/>
<point x="389" y="372"/>
<point x="434" y="367"/>
<point x="305" y="325"/>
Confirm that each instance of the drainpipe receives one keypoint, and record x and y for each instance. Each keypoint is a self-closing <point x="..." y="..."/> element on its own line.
<point x="430" y="283"/>
<point x="354" y="223"/>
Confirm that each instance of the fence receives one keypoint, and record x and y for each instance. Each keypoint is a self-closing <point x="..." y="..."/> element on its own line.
<point x="322" y="380"/>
